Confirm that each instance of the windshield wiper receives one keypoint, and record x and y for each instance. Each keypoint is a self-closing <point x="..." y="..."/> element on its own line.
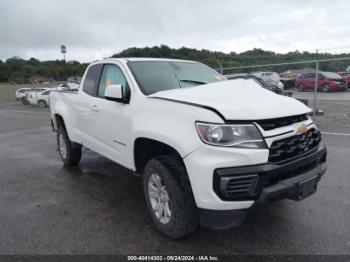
<point x="192" y="81"/>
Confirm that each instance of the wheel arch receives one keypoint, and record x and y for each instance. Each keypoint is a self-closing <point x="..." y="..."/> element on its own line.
<point x="147" y="148"/>
<point x="58" y="121"/>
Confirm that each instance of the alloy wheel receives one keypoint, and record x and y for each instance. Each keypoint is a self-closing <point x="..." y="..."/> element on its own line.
<point x="62" y="146"/>
<point x="159" y="198"/>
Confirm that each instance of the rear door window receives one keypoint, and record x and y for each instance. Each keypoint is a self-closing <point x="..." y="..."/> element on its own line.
<point x="92" y="79"/>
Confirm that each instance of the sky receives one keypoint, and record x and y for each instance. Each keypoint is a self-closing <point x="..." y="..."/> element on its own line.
<point x="95" y="29"/>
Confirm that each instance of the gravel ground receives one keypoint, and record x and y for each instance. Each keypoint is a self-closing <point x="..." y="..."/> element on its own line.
<point x="336" y="117"/>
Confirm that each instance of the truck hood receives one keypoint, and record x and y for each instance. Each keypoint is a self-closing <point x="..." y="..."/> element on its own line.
<point x="237" y="99"/>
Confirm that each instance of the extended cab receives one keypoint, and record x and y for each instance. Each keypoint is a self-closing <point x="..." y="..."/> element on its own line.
<point x="207" y="148"/>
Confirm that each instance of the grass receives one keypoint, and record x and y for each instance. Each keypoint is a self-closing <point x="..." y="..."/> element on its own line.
<point x="7" y="93"/>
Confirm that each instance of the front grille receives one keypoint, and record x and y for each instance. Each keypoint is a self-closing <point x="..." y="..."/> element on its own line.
<point x="270" y="124"/>
<point x="241" y="186"/>
<point x="294" y="146"/>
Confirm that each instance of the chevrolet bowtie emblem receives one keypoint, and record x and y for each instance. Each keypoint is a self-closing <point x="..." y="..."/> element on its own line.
<point x="302" y="128"/>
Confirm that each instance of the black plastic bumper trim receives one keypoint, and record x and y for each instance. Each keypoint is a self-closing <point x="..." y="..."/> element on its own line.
<point x="289" y="188"/>
<point x="271" y="172"/>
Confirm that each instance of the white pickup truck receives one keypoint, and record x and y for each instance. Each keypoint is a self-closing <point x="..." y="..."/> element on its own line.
<point x="39" y="98"/>
<point x="207" y="148"/>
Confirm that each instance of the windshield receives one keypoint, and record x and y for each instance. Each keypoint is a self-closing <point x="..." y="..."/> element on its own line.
<point x="155" y="76"/>
<point x="330" y="75"/>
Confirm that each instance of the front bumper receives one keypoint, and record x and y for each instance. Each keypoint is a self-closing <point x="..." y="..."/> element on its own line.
<point x="271" y="182"/>
<point x="265" y="175"/>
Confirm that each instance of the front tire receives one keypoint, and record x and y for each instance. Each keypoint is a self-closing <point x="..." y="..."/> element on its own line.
<point x="70" y="155"/>
<point x="169" y="196"/>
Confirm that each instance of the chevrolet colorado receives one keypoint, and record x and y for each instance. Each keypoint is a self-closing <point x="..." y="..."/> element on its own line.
<point x="207" y="148"/>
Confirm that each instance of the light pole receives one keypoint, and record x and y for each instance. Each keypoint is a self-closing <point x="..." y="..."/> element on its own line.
<point x="64" y="51"/>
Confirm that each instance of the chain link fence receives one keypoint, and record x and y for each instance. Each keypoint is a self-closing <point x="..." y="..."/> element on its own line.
<point x="321" y="84"/>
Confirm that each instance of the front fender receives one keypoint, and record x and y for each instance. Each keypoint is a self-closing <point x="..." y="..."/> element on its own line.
<point x="171" y="123"/>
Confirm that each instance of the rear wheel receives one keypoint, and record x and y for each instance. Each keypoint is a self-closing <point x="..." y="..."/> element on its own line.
<point x="70" y="154"/>
<point x="325" y="88"/>
<point x="42" y="104"/>
<point x="24" y="101"/>
<point x="169" y="196"/>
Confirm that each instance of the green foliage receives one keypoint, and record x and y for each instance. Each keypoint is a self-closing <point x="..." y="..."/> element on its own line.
<point x="19" y="70"/>
<point x="252" y="57"/>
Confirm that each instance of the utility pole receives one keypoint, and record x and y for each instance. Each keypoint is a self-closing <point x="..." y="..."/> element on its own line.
<point x="315" y="89"/>
<point x="315" y="110"/>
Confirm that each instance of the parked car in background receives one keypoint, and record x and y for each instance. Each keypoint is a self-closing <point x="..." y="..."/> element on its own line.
<point x="21" y="95"/>
<point x="39" y="98"/>
<point x="288" y="80"/>
<point x="346" y="76"/>
<point x="271" y="78"/>
<point x="327" y="82"/>
<point x="277" y="89"/>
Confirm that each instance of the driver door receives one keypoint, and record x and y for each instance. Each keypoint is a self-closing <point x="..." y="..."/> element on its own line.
<point x="111" y="124"/>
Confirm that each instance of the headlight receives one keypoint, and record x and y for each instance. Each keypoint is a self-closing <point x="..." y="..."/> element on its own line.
<point x="244" y="136"/>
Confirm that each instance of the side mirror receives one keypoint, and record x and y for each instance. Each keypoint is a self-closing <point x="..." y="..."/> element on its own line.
<point x="115" y="93"/>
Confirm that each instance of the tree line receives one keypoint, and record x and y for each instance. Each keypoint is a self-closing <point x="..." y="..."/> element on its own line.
<point x="19" y="70"/>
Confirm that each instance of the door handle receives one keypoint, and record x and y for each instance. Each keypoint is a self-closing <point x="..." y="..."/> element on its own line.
<point x="95" y="108"/>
